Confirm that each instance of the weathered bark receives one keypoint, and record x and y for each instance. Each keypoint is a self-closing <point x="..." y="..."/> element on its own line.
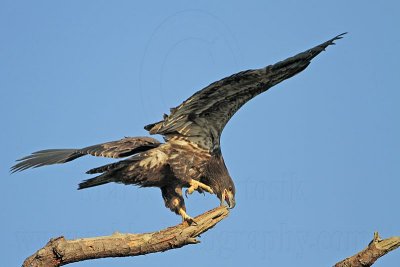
<point x="60" y="251"/>
<point x="375" y="249"/>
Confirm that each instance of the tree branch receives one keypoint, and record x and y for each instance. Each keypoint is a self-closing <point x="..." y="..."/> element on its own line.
<point x="375" y="249"/>
<point x="60" y="251"/>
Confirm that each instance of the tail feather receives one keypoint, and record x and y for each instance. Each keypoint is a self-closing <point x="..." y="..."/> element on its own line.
<point x="116" y="165"/>
<point x="46" y="157"/>
<point x="99" y="180"/>
<point x="105" y="168"/>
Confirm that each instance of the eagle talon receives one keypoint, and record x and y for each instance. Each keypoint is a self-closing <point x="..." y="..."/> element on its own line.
<point x="191" y="221"/>
<point x="199" y="186"/>
<point x="186" y="217"/>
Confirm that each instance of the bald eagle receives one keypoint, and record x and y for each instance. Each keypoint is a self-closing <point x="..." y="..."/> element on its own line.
<point x="191" y="155"/>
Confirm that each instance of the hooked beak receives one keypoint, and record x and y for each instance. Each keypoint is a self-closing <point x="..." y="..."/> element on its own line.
<point x="229" y="199"/>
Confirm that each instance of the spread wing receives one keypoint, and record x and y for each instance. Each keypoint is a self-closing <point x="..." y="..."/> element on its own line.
<point x="115" y="149"/>
<point x="121" y="148"/>
<point x="203" y="116"/>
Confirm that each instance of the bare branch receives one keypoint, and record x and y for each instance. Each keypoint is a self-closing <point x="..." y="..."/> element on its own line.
<point x="60" y="251"/>
<point x="376" y="249"/>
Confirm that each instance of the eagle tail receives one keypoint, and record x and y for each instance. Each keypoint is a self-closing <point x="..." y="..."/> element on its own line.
<point x="99" y="180"/>
<point x="109" y="173"/>
<point x="46" y="157"/>
<point x="107" y="167"/>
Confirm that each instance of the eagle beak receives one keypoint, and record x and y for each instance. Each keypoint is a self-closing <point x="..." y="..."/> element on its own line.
<point x="229" y="199"/>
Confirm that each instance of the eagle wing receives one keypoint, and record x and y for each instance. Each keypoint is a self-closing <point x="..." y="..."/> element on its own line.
<point x="203" y="116"/>
<point x="121" y="148"/>
<point x="115" y="149"/>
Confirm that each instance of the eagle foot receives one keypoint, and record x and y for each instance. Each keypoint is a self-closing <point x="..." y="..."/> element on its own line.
<point x="199" y="186"/>
<point x="186" y="217"/>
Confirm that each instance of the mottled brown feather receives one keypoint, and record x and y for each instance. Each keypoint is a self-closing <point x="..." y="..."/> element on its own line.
<point x="115" y="149"/>
<point x="202" y="117"/>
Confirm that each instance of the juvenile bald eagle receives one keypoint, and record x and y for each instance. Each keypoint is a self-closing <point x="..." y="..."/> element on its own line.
<point x="191" y="155"/>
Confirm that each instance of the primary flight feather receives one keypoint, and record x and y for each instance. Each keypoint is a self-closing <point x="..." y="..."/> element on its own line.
<point x="191" y="155"/>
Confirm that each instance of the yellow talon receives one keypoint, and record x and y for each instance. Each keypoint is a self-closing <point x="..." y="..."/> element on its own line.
<point x="195" y="185"/>
<point x="186" y="217"/>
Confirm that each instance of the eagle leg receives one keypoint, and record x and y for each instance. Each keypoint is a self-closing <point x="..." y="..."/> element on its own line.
<point x="186" y="217"/>
<point x="173" y="199"/>
<point x="196" y="185"/>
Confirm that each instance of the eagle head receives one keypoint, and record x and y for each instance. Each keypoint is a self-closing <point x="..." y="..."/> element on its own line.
<point x="218" y="178"/>
<point x="228" y="196"/>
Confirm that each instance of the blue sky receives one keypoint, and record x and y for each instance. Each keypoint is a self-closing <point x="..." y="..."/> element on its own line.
<point x="315" y="159"/>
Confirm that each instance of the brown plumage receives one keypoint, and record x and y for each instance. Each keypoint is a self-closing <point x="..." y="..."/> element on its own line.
<point x="191" y="156"/>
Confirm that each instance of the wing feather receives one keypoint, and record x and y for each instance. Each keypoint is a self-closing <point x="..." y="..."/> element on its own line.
<point x="203" y="116"/>
<point x="115" y="149"/>
<point x="121" y="148"/>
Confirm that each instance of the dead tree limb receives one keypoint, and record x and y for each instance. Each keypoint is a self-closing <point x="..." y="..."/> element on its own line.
<point x="60" y="251"/>
<point x="375" y="249"/>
